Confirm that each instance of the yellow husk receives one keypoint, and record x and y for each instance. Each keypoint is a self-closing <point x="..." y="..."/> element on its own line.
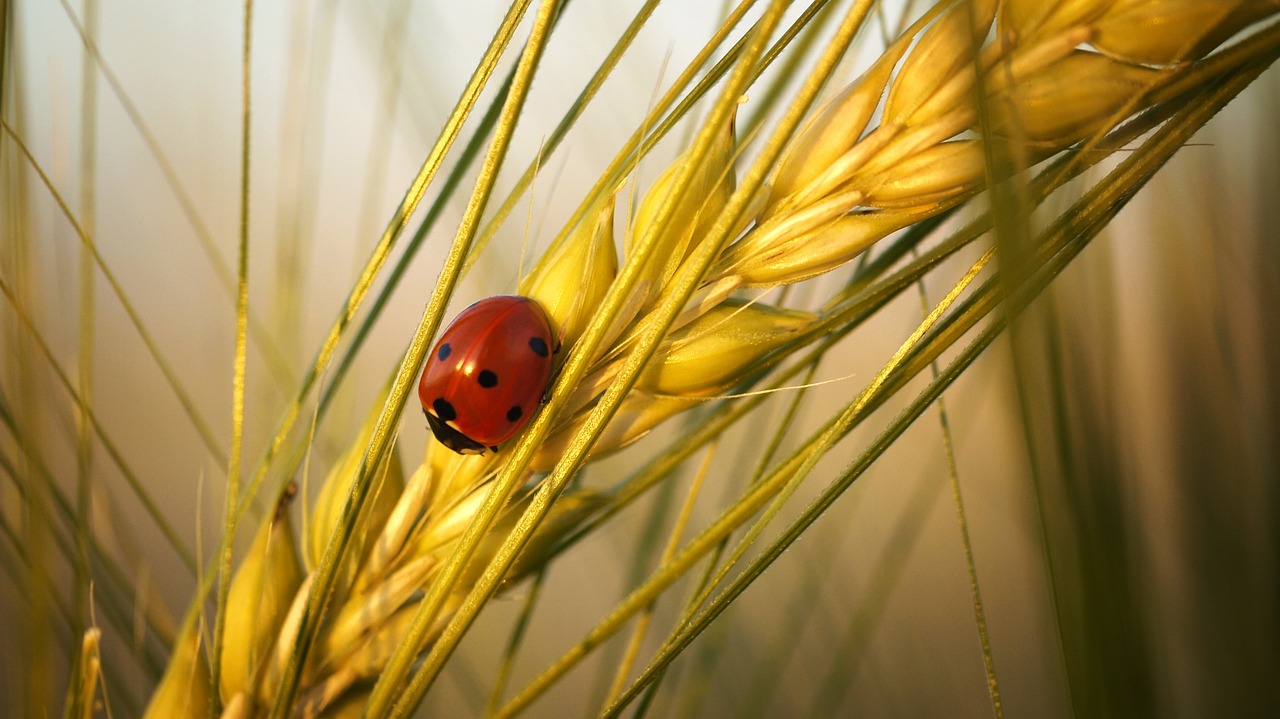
<point x="721" y="348"/>
<point x="184" y="689"/>
<point x="571" y="283"/>
<point x="259" y="597"/>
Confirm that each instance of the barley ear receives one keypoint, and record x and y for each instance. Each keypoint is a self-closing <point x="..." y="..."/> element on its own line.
<point x="87" y="675"/>
<point x="832" y="131"/>
<point x="1028" y="20"/>
<point x="260" y="594"/>
<point x="929" y="177"/>
<point x="1162" y="32"/>
<point x="1070" y="99"/>
<point x="695" y="212"/>
<point x="639" y="413"/>
<point x="388" y="483"/>
<point x="760" y="262"/>
<point x="564" y="516"/>
<point x="184" y="690"/>
<point x="721" y="348"/>
<point x="943" y="56"/>
<point x="571" y="282"/>
<point x="414" y="500"/>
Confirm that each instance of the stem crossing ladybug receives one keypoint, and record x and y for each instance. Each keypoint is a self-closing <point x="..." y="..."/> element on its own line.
<point x="487" y="374"/>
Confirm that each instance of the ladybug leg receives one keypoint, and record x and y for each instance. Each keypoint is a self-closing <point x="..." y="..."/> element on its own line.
<point x="555" y="372"/>
<point x="551" y="381"/>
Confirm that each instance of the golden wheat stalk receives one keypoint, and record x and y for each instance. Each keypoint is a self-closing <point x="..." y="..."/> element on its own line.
<point x="1051" y="76"/>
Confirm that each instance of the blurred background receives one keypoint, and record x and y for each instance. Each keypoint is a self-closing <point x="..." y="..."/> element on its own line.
<point x="1116" y="453"/>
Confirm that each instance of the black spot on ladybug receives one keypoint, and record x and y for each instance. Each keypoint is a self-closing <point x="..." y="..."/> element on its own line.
<point x="444" y="410"/>
<point x="444" y="351"/>
<point x="538" y="345"/>
<point x="514" y="413"/>
<point x="487" y="379"/>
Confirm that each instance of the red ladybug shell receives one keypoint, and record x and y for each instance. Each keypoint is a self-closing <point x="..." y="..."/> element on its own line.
<point x="487" y="374"/>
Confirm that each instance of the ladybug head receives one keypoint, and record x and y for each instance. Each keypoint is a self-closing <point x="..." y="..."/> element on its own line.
<point x="453" y="439"/>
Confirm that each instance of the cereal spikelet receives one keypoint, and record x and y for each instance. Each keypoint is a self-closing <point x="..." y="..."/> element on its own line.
<point x="721" y="348"/>
<point x="1070" y="99"/>
<point x="566" y="514"/>
<point x="259" y="596"/>
<point x="571" y="282"/>
<point x="1027" y="20"/>
<point x="944" y="53"/>
<point x="85" y="683"/>
<point x="184" y="689"/>
<point x="639" y="413"/>
<point x="829" y="134"/>
<point x="388" y="484"/>
<point x="1161" y="32"/>
<point x="695" y="211"/>
<point x="769" y="262"/>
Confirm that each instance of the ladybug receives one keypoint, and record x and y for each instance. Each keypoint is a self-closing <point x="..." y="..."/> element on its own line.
<point x="487" y="373"/>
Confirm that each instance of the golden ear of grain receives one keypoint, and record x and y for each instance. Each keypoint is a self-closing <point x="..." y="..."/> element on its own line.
<point x="791" y="259"/>
<point x="946" y="50"/>
<point x="568" y="511"/>
<point x="639" y="413"/>
<point x="284" y="644"/>
<point x="1070" y="99"/>
<point x="721" y="348"/>
<point x="830" y="134"/>
<point x="413" y="502"/>
<point x="366" y="631"/>
<point x="388" y="484"/>
<point x="259" y="597"/>
<point x="1025" y="20"/>
<point x="367" y="655"/>
<point x="566" y="515"/>
<point x="1161" y="32"/>
<point x="694" y="213"/>
<point x="447" y="522"/>
<point x="456" y="475"/>
<point x="184" y="689"/>
<point x="930" y="176"/>
<point x="571" y="282"/>
<point x="367" y="611"/>
<point x="84" y="682"/>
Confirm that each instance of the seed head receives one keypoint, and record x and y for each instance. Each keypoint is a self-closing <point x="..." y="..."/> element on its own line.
<point x="184" y="689"/>
<point x="571" y="282"/>
<point x="721" y="348"/>
<point x="930" y="176"/>
<point x="1070" y="99"/>
<point x="388" y="483"/>
<point x="639" y="413"/>
<point x="1161" y="32"/>
<point x="1027" y="20"/>
<point x="695" y="211"/>
<point x="259" y="596"/>
<point x="829" y="135"/>
<point x="568" y="511"/>
<point x="786" y="259"/>
<point x="946" y="50"/>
